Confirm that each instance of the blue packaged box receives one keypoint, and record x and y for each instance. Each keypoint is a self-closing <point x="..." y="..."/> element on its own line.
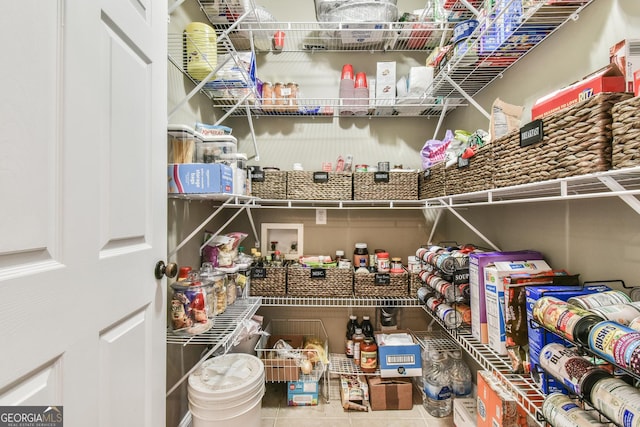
<point x="501" y="22"/>
<point x="302" y="393"/>
<point x="539" y="337"/>
<point x="199" y="178"/>
<point x="398" y="355"/>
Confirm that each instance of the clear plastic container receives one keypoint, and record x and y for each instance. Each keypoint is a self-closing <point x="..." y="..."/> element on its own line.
<point x="182" y="144"/>
<point x="461" y="379"/>
<point x="210" y="149"/>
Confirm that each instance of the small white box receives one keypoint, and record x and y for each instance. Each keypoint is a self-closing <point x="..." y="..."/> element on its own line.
<point x="464" y="412"/>
<point x="495" y="300"/>
<point x="385" y="88"/>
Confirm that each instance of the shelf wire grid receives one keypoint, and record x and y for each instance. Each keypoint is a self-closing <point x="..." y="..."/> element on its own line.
<point x="523" y="388"/>
<point x="225" y="329"/>
<point x="340" y="302"/>
<point x="461" y="76"/>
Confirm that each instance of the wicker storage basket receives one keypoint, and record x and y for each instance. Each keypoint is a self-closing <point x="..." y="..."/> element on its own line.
<point x="577" y="141"/>
<point x="414" y="284"/>
<point x="274" y="284"/>
<point x="376" y="186"/>
<point x="431" y="182"/>
<point x="303" y="185"/>
<point x="476" y="176"/>
<point x="364" y="285"/>
<point x="626" y="134"/>
<point x="273" y="186"/>
<point x="337" y="282"/>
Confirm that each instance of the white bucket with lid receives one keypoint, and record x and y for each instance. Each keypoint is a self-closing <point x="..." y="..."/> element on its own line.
<point x="227" y="391"/>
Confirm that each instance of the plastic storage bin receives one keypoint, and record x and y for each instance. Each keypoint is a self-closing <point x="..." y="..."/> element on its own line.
<point x="182" y="144"/>
<point x="210" y="149"/>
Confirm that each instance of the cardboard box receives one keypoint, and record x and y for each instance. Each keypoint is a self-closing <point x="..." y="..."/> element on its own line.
<point x="198" y="178"/>
<point x="477" y="263"/>
<point x="464" y="412"/>
<point x="276" y="368"/>
<point x="398" y="360"/>
<point x="390" y="393"/>
<point x="539" y="337"/>
<point x="495" y="300"/>
<point x="302" y="393"/>
<point x="496" y="405"/>
<point x="626" y="55"/>
<point x="607" y="79"/>
<point x="385" y="88"/>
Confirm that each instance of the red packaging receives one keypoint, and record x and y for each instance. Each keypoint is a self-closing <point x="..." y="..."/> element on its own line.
<point x="607" y="79"/>
<point x="636" y="82"/>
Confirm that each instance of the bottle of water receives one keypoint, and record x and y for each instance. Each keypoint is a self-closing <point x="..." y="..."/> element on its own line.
<point x="461" y="381"/>
<point x="437" y="386"/>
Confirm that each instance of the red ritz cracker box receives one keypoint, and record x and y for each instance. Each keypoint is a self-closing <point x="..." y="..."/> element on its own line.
<point x="607" y="79"/>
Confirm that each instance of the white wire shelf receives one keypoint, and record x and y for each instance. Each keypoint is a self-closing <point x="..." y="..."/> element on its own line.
<point x="526" y="391"/>
<point x="340" y="302"/>
<point x="623" y="183"/>
<point x="225" y="328"/>
<point x="461" y="75"/>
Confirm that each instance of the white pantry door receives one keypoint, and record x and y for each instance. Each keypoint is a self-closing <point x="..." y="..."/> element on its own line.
<point x="83" y="209"/>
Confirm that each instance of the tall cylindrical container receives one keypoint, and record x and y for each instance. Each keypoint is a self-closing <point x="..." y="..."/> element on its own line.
<point x="201" y="50"/>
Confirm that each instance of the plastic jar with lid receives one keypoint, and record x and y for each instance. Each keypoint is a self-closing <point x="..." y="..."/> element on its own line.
<point x="189" y="311"/>
<point x="382" y="261"/>
<point x="396" y="265"/>
<point x="368" y="355"/>
<point x="361" y="255"/>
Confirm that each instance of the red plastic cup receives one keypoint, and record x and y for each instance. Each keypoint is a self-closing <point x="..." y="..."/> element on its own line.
<point x="278" y="40"/>
<point x="361" y="80"/>
<point x="347" y="72"/>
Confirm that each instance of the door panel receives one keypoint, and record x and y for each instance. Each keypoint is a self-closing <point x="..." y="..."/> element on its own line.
<point x="83" y="217"/>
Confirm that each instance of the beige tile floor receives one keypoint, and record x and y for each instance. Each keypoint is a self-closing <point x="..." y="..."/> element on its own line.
<point x="276" y="413"/>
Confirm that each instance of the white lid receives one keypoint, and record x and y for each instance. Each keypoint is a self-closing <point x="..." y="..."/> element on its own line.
<point x="227" y="373"/>
<point x="216" y="138"/>
<point x="233" y="156"/>
<point x="361" y="245"/>
<point x="177" y="130"/>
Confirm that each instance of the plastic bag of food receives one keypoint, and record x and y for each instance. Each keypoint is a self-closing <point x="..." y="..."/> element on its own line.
<point x="434" y="151"/>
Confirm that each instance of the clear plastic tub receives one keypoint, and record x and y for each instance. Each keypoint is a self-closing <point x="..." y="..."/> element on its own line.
<point x="356" y="11"/>
<point x="192" y="305"/>
<point x="210" y="149"/>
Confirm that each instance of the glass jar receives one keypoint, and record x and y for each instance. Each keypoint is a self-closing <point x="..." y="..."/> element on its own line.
<point x="368" y="355"/>
<point x="361" y="255"/>
<point x="219" y="286"/>
<point x="232" y="275"/>
<point x="244" y="274"/>
<point x="189" y="308"/>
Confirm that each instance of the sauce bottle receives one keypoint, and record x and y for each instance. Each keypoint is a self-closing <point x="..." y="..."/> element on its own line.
<point x="368" y="355"/>
<point x="358" y="339"/>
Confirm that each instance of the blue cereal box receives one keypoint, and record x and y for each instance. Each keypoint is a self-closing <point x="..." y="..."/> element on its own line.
<point x="302" y="393"/>
<point x="539" y="337"/>
<point x="199" y="178"/>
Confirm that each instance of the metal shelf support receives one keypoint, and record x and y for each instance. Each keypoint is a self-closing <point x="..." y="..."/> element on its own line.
<point x="613" y="185"/>
<point x="468" y="224"/>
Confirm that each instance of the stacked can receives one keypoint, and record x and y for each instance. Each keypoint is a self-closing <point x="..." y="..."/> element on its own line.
<point x="569" y="368"/>
<point x="571" y="322"/>
<point x="616" y="343"/>
<point x="560" y="411"/>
